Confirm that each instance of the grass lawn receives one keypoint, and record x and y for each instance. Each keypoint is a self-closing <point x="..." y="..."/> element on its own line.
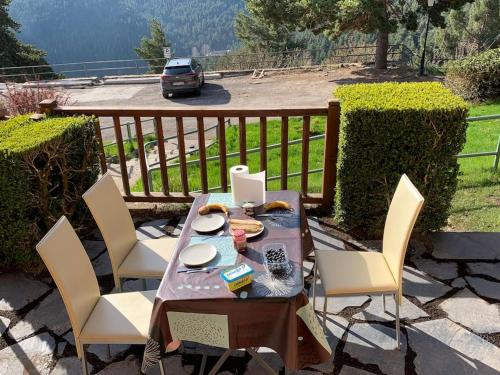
<point x="475" y="207"/>
<point x="253" y="160"/>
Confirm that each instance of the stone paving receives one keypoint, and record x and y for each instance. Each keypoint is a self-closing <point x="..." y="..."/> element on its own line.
<point x="450" y="316"/>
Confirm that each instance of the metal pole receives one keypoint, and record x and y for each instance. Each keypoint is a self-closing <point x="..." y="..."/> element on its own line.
<point x="497" y="157"/>
<point x="422" y="60"/>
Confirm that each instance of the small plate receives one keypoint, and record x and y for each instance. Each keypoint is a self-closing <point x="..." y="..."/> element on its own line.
<point x="208" y="223"/>
<point x="249" y="235"/>
<point x="197" y="254"/>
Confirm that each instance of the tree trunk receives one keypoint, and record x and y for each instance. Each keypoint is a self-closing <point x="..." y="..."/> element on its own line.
<point x="381" y="51"/>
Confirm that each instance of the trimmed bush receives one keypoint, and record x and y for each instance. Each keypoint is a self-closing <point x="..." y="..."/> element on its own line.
<point x="476" y="77"/>
<point x="388" y="129"/>
<point x="45" y="166"/>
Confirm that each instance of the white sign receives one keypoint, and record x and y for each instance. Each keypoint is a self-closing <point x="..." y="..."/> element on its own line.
<point x="167" y="52"/>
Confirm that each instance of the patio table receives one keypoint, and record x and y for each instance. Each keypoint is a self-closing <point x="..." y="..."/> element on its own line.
<point x="273" y="312"/>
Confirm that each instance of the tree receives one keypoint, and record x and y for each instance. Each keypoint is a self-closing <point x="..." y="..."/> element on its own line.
<point x="335" y="17"/>
<point x="152" y="49"/>
<point x="13" y="52"/>
<point x="474" y="28"/>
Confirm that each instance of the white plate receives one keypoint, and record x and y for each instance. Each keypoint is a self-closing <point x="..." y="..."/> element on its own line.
<point x="249" y="235"/>
<point x="197" y="254"/>
<point x="208" y="223"/>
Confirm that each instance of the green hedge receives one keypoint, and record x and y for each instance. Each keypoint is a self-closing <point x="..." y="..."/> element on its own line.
<point x="45" y="166"/>
<point x="388" y="129"/>
<point x="476" y="77"/>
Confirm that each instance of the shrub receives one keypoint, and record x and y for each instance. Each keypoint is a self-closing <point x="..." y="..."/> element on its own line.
<point x="45" y="166"/>
<point x="388" y="129"/>
<point x="22" y="100"/>
<point x="476" y="77"/>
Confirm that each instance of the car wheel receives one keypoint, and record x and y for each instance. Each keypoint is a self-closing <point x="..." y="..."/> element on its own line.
<point x="203" y="79"/>
<point x="166" y="95"/>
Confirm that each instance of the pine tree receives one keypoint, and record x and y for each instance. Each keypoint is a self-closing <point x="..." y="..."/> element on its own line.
<point x="336" y="17"/>
<point x="152" y="49"/>
<point x="13" y="52"/>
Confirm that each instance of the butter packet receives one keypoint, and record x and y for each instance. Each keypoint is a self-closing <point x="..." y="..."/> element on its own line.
<point x="237" y="277"/>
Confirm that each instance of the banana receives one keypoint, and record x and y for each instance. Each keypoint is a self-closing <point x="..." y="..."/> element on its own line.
<point x="213" y="207"/>
<point x="249" y="226"/>
<point x="277" y="204"/>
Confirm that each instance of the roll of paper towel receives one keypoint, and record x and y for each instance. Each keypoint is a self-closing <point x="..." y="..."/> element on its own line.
<point x="237" y="169"/>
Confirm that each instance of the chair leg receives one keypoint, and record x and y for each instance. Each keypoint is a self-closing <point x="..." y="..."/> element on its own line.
<point x="162" y="369"/>
<point x="118" y="285"/>
<point x="397" y="321"/>
<point x="109" y="351"/>
<point x="383" y="301"/>
<point x="325" y="306"/>
<point x="84" y="361"/>
<point x="314" y="284"/>
<point x="144" y="285"/>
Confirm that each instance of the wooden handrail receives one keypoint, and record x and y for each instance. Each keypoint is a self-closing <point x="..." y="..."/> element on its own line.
<point x="116" y="113"/>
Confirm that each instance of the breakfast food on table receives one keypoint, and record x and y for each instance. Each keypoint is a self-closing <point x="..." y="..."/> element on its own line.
<point x="237" y="277"/>
<point x="277" y="204"/>
<point x="240" y="240"/>
<point x="249" y="225"/>
<point x="213" y="207"/>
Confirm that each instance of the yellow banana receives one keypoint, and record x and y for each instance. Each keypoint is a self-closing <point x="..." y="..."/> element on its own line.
<point x="277" y="204"/>
<point x="212" y="207"/>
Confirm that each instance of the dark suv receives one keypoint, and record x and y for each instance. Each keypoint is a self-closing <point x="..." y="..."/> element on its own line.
<point x="182" y="75"/>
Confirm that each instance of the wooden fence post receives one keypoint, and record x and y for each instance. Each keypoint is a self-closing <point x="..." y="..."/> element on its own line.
<point x="331" y="152"/>
<point x="47" y="106"/>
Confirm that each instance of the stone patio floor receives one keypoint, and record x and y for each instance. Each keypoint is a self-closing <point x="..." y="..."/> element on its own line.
<point x="450" y="316"/>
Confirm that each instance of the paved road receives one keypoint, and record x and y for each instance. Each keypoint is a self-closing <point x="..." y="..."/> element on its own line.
<point x="306" y="88"/>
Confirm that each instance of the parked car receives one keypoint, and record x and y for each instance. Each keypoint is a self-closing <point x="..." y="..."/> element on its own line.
<point x="181" y="76"/>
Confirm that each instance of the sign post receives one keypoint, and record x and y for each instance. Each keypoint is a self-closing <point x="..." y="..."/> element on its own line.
<point x="167" y="52"/>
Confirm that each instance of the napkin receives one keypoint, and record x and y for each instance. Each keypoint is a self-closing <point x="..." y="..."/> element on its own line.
<point x="247" y="187"/>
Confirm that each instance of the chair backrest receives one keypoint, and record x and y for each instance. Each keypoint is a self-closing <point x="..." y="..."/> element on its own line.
<point x="113" y="219"/>
<point x="70" y="267"/>
<point x="403" y="212"/>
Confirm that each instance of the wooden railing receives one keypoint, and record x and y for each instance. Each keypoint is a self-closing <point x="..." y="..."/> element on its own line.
<point x="330" y="111"/>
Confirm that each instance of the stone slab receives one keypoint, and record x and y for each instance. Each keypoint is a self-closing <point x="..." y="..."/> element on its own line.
<point x="473" y="312"/>
<point x="440" y="270"/>
<point x="348" y="370"/>
<point x="101" y="350"/>
<point x="322" y="239"/>
<point x="130" y="366"/>
<point x="443" y="348"/>
<point x="488" y="269"/>
<point x="485" y="288"/>
<point x="69" y="366"/>
<point x="51" y="313"/>
<point x="152" y="229"/>
<point x="307" y="268"/>
<point x="375" y="310"/>
<point x="421" y="286"/>
<point x="69" y="337"/>
<point x="17" y="290"/>
<point x="469" y="245"/>
<point x="94" y="248"/>
<point x="376" y="344"/>
<point x="30" y="356"/>
<point x="459" y="283"/>
<point x="137" y="285"/>
<point x="335" y="329"/>
<point x="102" y="265"/>
<point x="180" y="225"/>
<point x="335" y="304"/>
<point x="4" y="324"/>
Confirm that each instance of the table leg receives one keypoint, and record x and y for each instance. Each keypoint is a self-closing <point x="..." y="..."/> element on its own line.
<point x="261" y="362"/>
<point x="220" y="362"/>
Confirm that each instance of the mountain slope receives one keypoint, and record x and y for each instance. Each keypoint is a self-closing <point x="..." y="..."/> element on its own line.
<point x="79" y="30"/>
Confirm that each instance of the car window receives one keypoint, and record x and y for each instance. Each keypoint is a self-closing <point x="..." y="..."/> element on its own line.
<point x="173" y="70"/>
